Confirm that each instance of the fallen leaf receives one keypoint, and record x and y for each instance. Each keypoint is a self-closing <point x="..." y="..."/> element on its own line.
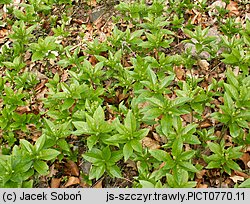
<point x="150" y="143"/>
<point x="242" y="174"/>
<point x="200" y="174"/>
<point x="203" y="64"/>
<point x="52" y="171"/>
<point x="236" y="178"/>
<point x="202" y="186"/>
<point x="55" y="182"/>
<point x="131" y="164"/>
<point x="72" y="181"/>
<point x="22" y="109"/>
<point x="98" y="184"/>
<point x="246" y="159"/>
<point x="179" y="72"/>
<point x="233" y="8"/>
<point x="72" y="168"/>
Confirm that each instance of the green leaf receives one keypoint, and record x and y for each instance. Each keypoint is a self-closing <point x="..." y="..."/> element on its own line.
<point x="233" y="165"/>
<point x="141" y="133"/>
<point x="187" y="155"/>
<point x="25" y="144"/>
<point x="48" y="154"/>
<point x="91" y="141"/>
<point x="94" y="156"/>
<point x="160" y="155"/>
<point x="245" y="184"/>
<point x="130" y="122"/>
<point x="146" y="184"/>
<point x="180" y="101"/>
<point x="177" y="147"/>
<point x="127" y="151"/>
<point x="82" y="128"/>
<point x="41" y="167"/>
<point x="96" y="172"/>
<point x="40" y="143"/>
<point x="216" y="148"/>
<point x="232" y="91"/>
<point x="114" y="171"/>
<point x="68" y="102"/>
<point x="62" y="143"/>
<point x="115" y="156"/>
<point x="232" y="79"/>
<point x="234" y="129"/>
<point x="99" y="115"/>
<point x="228" y="101"/>
<point x="106" y="153"/>
<point x="214" y="165"/>
<point x="136" y="145"/>
<point x="188" y="166"/>
<point x="37" y="56"/>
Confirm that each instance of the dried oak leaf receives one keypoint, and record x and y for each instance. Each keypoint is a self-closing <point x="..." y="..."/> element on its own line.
<point x="150" y="143"/>
<point x="71" y="168"/>
<point x="233" y="8"/>
<point x="72" y="181"/>
<point x="55" y="182"/>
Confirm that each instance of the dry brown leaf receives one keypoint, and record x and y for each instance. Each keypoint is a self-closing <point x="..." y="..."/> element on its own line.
<point x="72" y="181"/>
<point x="52" y="171"/>
<point x="245" y="158"/>
<point x="242" y="174"/>
<point x="205" y="124"/>
<point x="22" y="109"/>
<point x="200" y="174"/>
<point x="98" y="184"/>
<point x="55" y="182"/>
<point x="179" y="72"/>
<point x="131" y="164"/>
<point x="150" y="143"/>
<point x="202" y="186"/>
<point x="236" y="178"/>
<point x="203" y="64"/>
<point x="233" y="8"/>
<point x="72" y="168"/>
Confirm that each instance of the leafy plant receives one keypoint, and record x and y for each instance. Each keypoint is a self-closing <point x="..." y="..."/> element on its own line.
<point x="129" y="134"/>
<point x="223" y="158"/>
<point x="103" y="161"/>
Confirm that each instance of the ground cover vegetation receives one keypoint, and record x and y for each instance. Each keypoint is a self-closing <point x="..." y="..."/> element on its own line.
<point x="125" y="93"/>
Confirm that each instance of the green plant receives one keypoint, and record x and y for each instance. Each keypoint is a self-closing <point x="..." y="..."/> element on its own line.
<point x="129" y="135"/>
<point x="44" y="48"/>
<point x="96" y="126"/>
<point x="37" y="153"/>
<point x="15" y="170"/>
<point x="103" y="161"/>
<point x="223" y="158"/>
<point x="235" y="111"/>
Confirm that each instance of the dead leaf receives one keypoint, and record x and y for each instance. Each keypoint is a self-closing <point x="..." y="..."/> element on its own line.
<point x="202" y="186"/>
<point x="200" y="174"/>
<point x="98" y="184"/>
<point x="246" y="159"/>
<point x="55" y="182"/>
<point x="236" y="178"/>
<point x="150" y="143"/>
<point x="205" y="124"/>
<point x="72" y="168"/>
<point x="72" y="181"/>
<point x="233" y="8"/>
<point x="52" y="171"/>
<point x="131" y="164"/>
<point x="179" y="72"/>
<point x="203" y="64"/>
<point x="242" y="174"/>
<point x="22" y="109"/>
